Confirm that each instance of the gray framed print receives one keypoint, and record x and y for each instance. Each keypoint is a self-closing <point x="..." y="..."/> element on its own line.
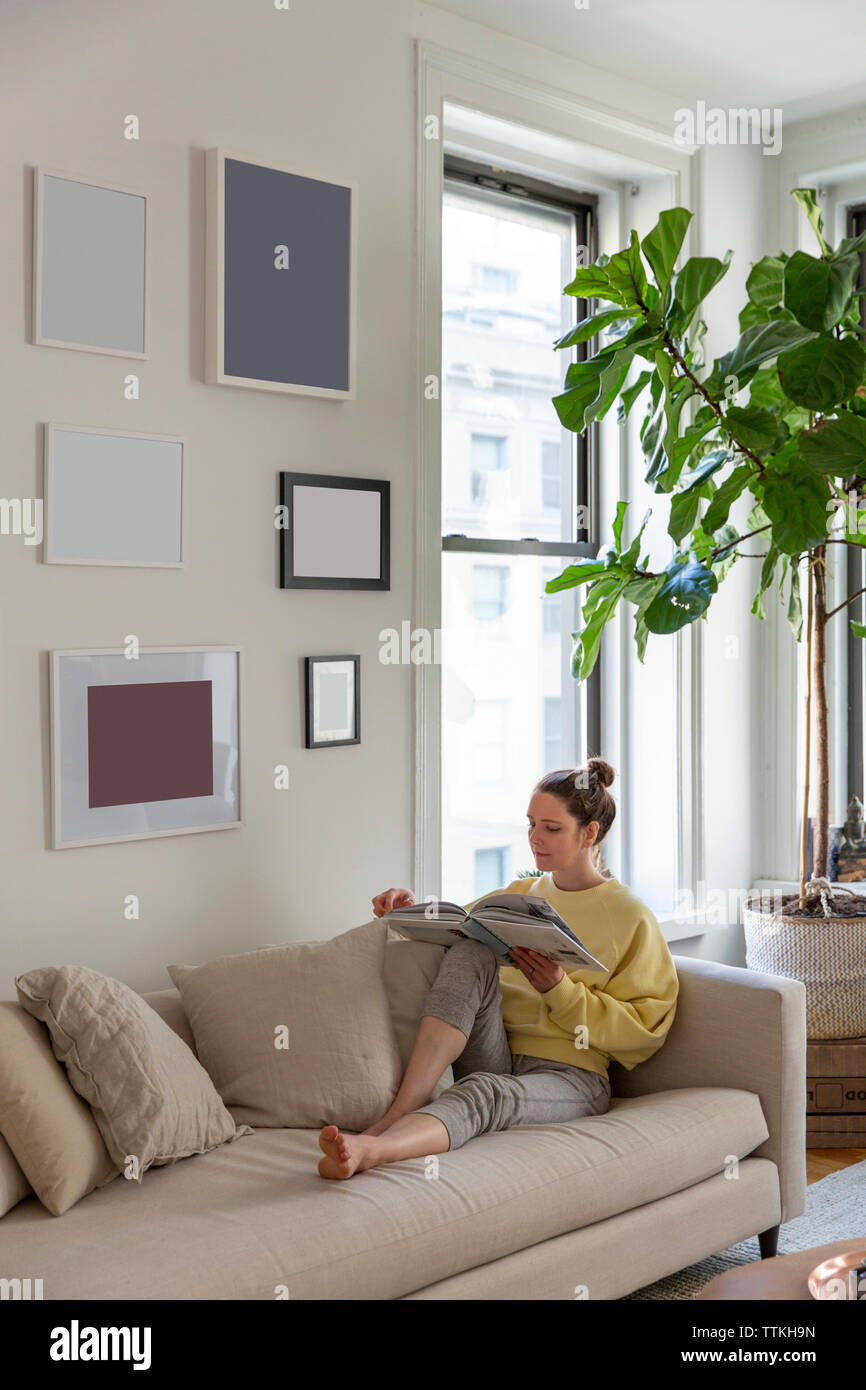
<point x="144" y="746"/>
<point x="91" y="264"/>
<point x="280" y="256"/>
<point x="335" y="532"/>
<point x="113" y="497"/>
<point x="333" y="700"/>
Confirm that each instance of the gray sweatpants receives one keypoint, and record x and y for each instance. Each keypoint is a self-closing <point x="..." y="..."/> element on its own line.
<point x="493" y="1088"/>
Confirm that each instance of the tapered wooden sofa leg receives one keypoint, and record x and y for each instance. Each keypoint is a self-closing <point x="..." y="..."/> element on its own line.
<point x="768" y="1241"/>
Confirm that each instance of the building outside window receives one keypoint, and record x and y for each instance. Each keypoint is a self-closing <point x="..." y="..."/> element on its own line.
<point x="515" y="500"/>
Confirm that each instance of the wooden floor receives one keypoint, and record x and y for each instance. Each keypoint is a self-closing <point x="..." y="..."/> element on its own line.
<point x="820" y="1162"/>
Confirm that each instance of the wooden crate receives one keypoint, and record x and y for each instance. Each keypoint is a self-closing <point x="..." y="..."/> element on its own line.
<point x="836" y="1093"/>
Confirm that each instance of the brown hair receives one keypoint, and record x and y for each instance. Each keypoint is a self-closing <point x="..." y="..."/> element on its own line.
<point x="583" y="792"/>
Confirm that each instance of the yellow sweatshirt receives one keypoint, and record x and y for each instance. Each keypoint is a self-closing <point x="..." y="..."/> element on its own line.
<point x="590" y="1017"/>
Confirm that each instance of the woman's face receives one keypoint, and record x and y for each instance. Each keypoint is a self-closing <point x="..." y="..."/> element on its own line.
<point x="555" y="838"/>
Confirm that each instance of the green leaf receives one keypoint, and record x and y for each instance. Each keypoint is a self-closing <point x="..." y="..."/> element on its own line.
<point x="684" y="596"/>
<point x="574" y="575"/>
<point x="642" y="592"/>
<point x="588" y="328"/>
<point x="835" y="446"/>
<point x="751" y="426"/>
<point x="717" y="512"/>
<point x="628" y="559"/>
<point x="592" y="282"/>
<point x="698" y="276"/>
<point x="662" y="245"/>
<point x="597" y="611"/>
<point x="684" y="511"/>
<point x="821" y="374"/>
<point x="765" y="283"/>
<point x="706" y="466"/>
<point x="630" y="395"/>
<point x="766" y="390"/>
<point x="808" y="200"/>
<point x="627" y="275"/>
<point x="621" y="509"/>
<point x="858" y="629"/>
<point x="796" y="503"/>
<point x="757" y="345"/>
<point x="816" y="292"/>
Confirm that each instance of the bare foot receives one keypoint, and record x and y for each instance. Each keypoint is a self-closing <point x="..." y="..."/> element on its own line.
<point x="345" y="1154"/>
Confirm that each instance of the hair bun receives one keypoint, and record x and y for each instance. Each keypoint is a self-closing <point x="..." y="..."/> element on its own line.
<point x="602" y="770"/>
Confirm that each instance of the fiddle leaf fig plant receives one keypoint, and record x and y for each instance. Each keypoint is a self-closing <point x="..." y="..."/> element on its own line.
<point x="779" y="420"/>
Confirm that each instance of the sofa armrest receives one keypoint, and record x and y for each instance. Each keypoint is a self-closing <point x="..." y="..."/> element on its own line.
<point x="744" y="1029"/>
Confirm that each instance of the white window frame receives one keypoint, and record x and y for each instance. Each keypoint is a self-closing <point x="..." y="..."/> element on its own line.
<point x="444" y="77"/>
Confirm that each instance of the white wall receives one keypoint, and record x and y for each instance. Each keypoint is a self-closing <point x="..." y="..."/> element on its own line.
<point x="331" y="90"/>
<point x="333" y="94"/>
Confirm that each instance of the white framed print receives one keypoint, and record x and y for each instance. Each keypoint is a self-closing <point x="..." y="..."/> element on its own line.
<point x="280" y="257"/>
<point x="113" y="497"/>
<point x="145" y="746"/>
<point x="91" y="264"/>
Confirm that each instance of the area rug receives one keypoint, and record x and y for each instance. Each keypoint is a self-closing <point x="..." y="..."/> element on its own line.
<point x="835" y="1210"/>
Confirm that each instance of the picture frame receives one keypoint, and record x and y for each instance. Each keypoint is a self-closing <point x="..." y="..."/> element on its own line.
<point x="145" y="747"/>
<point x="337" y="532"/>
<point x="87" y="233"/>
<point x="333" y="700"/>
<point x="296" y="335"/>
<point x="114" y="497"/>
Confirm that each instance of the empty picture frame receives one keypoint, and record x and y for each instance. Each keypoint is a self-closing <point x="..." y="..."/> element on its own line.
<point x="113" y="497"/>
<point x="333" y="700"/>
<point x="335" y="532"/>
<point x="91" y="259"/>
<point x="144" y="747"/>
<point x="280" y="305"/>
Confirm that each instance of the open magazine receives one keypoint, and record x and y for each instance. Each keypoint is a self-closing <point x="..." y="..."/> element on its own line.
<point x="500" y="921"/>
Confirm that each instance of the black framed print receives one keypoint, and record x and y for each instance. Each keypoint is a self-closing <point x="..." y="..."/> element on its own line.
<point x="333" y="703"/>
<point x="335" y="532"/>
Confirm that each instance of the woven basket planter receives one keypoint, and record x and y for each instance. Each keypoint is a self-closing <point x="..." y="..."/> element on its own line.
<point x="827" y="953"/>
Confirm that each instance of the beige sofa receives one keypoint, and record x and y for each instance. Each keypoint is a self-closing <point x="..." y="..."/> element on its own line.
<point x="703" y="1146"/>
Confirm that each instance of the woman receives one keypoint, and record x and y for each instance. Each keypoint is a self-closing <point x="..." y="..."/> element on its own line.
<point x="528" y="1042"/>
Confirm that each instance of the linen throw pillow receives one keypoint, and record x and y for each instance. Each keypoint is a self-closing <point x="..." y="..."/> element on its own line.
<point x="14" y="1187"/>
<point x="151" y="1100"/>
<point x="50" y="1129"/>
<point x="297" y="1036"/>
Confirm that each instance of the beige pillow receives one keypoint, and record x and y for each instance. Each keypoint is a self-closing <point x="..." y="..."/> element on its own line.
<point x="48" y="1127"/>
<point x="13" y="1184"/>
<point x="327" y="1000"/>
<point x="151" y="1100"/>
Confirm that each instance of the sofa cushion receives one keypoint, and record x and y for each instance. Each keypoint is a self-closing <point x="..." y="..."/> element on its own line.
<point x="151" y="1100"/>
<point x="14" y="1187"/>
<point x="49" y="1128"/>
<point x="297" y="1035"/>
<point x="253" y="1220"/>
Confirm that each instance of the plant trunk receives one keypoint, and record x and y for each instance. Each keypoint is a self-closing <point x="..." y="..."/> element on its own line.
<point x="820" y="845"/>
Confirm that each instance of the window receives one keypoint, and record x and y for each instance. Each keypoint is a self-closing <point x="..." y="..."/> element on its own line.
<point x="487" y="455"/>
<point x="489" y="592"/>
<point x="552" y="606"/>
<point x="551" y="470"/>
<point x="489" y="740"/>
<point x="514" y="488"/>
<point x="491" y="870"/>
<point x="552" y="732"/>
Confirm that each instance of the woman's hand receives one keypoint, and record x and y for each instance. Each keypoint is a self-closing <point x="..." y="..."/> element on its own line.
<point x="391" y="898"/>
<point x="541" y="973"/>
